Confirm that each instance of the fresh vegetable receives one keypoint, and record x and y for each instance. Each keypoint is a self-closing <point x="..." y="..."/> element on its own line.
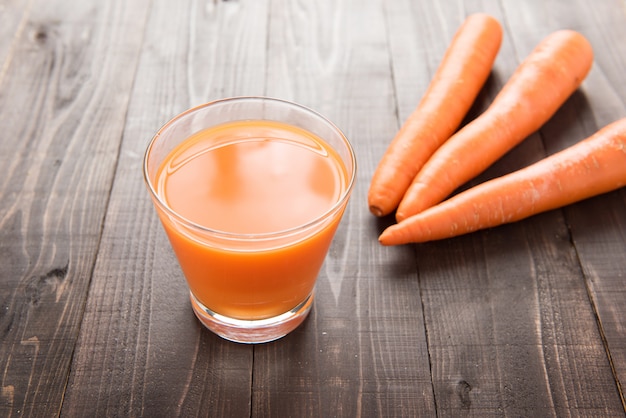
<point x="460" y="76"/>
<point x="540" y="85"/>
<point x="593" y="166"/>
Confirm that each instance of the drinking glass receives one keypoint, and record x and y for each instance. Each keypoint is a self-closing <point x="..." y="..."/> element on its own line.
<point x="250" y="191"/>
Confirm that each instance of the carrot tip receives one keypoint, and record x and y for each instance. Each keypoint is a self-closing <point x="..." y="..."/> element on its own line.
<point x="384" y="238"/>
<point x="376" y="211"/>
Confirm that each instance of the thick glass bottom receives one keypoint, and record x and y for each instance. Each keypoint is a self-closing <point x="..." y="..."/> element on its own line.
<point x="252" y="331"/>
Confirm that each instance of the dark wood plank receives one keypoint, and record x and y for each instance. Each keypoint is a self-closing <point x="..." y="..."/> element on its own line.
<point x="141" y="351"/>
<point x="362" y="352"/>
<point x="521" y="320"/>
<point x="63" y="95"/>
<point x="510" y="328"/>
<point x="597" y="226"/>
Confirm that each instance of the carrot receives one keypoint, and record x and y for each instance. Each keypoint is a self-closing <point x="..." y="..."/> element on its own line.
<point x="539" y="86"/>
<point x="454" y="87"/>
<point x="593" y="166"/>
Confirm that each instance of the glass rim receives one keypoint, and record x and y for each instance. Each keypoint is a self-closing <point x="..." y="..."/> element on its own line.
<point x="251" y="236"/>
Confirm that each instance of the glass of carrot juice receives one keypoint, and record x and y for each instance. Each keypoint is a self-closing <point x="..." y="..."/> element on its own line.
<point x="250" y="191"/>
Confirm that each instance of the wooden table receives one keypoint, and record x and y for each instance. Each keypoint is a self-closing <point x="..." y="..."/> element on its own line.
<point x="525" y="319"/>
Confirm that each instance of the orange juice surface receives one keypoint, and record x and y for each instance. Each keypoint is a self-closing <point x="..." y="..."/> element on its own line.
<point x="251" y="177"/>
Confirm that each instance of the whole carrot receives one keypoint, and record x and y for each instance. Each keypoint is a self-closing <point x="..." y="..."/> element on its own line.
<point x="454" y="87"/>
<point x="539" y="86"/>
<point x="594" y="166"/>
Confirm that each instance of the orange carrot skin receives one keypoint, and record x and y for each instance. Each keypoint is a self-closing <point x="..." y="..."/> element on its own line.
<point x="539" y="86"/>
<point x="453" y="89"/>
<point x="594" y="166"/>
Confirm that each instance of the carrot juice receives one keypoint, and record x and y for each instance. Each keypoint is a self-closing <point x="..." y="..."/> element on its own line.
<point x="250" y="208"/>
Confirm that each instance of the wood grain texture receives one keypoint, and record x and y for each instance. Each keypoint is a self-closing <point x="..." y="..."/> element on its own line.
<point x="596" y="226"/>
<point x="64" y="94"/>
<point x="13" y="17"/>
<point x="520" y="320"/>
<point x="357" y="355"/>
<point x="152" y="357"/>
<point x="489" y="346"/>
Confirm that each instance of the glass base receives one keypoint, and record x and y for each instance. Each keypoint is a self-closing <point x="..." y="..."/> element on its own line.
<point x="252" y="331"/>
